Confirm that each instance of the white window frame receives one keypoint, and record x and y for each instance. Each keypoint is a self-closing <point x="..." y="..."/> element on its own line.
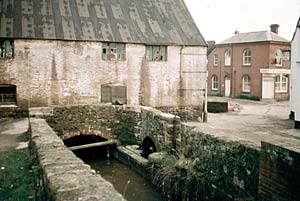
<point x="247" y="57"/>
<point x="246" y="83"/>
<point x="227" y="55"/>
<point x="281" y="83"/>
<point x="216" y="59"/>
<point x="214" y="82"/>
<point x="278" y="58"/>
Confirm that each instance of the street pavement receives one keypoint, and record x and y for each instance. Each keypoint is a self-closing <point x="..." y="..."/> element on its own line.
<point x="256" y="121"/>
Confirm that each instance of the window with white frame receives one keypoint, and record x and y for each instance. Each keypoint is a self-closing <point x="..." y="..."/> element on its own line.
<point x="6" y="48"/>
<point x="215" y="82"/>
<point x="246" y="83"/>
<point x="281" y="83"/>
<point x="227" y="58"/>
<point x="247" y="57"/>
<point x="216" y="60"/>
<point x="113" y="51"/>
<point x="278" y="59"/>
<point x="156" y="52"/>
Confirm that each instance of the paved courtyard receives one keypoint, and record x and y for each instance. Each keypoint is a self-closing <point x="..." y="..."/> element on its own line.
<point x="255" y="122"/>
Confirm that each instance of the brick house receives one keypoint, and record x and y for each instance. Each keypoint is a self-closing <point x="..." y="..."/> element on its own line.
<point x="250" y="64"/>
<point x="295" y="74"/>
<point x="67" y="51"/>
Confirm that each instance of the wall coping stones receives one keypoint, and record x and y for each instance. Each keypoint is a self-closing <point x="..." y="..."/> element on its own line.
<point x="66" y="177"/>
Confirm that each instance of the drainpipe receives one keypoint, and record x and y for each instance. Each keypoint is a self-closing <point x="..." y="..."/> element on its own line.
<point x="205" y="98"/>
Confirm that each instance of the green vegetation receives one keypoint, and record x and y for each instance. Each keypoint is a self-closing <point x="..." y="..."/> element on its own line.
<point x="216" y="94"/>
<point x="16" y="177"/>
<point x="248" y="97"/>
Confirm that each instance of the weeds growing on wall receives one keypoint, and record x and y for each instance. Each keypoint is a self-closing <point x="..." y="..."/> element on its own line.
<point x="216" y="170"/>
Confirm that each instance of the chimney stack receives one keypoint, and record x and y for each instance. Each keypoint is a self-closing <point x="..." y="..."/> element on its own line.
<point x="274" y="28"/>
<point x="236" y="32"/>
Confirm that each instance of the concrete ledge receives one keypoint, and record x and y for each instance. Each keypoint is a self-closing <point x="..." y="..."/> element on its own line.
<point x="64" y="176"/>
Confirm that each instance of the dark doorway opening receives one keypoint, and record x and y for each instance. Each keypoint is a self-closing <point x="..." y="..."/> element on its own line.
<point x="148" y="147"/>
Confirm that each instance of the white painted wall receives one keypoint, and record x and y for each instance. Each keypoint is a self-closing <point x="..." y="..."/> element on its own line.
<point x="64" y="72"/>
<point x="295" y="75"/>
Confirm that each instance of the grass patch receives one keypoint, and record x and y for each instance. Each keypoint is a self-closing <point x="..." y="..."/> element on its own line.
<point x="24" y="138"/>
<point x="16" y="177"/>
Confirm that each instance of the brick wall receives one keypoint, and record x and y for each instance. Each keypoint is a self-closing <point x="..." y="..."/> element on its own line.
<point x="279" y="173"/>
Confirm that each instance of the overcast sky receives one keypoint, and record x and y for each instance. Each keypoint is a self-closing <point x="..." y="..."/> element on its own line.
<point x="218" y="19"/>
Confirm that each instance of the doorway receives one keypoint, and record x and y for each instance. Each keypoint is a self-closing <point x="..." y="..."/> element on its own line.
<point x="268" y="87"/>
<point x="227" y="86"/>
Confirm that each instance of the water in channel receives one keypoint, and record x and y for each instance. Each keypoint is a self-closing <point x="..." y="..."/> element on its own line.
<point x="126" y="181"/>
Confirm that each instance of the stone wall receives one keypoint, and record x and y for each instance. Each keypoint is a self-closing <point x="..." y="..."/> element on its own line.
<point x="279" y="173"/>
<point x="64" y="72"/>
<point x="130" y="125"/>
<point x="216" y="169"/>
<point x="63" y="176"/>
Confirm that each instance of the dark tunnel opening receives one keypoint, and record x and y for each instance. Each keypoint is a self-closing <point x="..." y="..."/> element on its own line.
<point x="148" y="147"/>
<point x="89" y="153"/>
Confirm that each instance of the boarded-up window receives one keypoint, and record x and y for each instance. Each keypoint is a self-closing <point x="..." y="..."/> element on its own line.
<point x="114" y="93"/>
<point x="7" y="95"/>
<point x="156" y="53"/>
<point x="6" y="48"/>
<point x="113" y="51"/>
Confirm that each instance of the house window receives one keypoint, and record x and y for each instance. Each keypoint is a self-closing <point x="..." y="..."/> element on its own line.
<point x="6" y="48"/>
<point x="281" y="83"/>
<point x="7" y="95"/>
<point x="215" y="82"/>
<point x="278" y="59"/>
<point x="113" y="51"/>
<point x="216" y="60"/>
<point x="247" y="57"/>
<point x="156" y="53"/>
<point x="227" y="58"/>
<point x="246" y="83"/>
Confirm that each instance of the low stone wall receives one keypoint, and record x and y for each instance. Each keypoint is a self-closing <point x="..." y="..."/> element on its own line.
<point x="63" y="176"/>
<point x="186" y="113"/>
<point x="211" y="169"/>
<point x="12" y="111"/>
<point x="217" y="107"/>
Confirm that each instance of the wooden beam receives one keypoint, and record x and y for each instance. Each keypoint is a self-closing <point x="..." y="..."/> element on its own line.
<point x="97" y="144"/>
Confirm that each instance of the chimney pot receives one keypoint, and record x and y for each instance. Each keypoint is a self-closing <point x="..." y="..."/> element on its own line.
<point x="274" y="28"/>
<point x="236" y="32"/>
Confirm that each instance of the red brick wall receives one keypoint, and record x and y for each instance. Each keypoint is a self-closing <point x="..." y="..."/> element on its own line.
<point x="262" y="56"/>
<point x="279" y="174"/>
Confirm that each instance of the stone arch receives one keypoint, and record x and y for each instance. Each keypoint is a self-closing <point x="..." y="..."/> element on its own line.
<point x="148" y="146"/>
<point x="69" y="134"/>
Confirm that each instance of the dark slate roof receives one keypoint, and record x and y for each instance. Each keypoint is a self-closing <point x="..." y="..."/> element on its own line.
<point x="211" y="46"/>
<point x="251" y="37"/>
<point x="130" y="21"/>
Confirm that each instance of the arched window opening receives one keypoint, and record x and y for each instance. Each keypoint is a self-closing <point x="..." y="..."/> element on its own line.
<point x="227" y="58"/>
<point x="247" y="57"/>
<point x="246" y="83"/>
<point x="215" y="82"/>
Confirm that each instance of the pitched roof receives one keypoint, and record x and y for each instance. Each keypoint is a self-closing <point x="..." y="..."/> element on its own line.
<point x="251" y="37"/>
<point x="211" y="46"/>
<point x="130" y="21"/>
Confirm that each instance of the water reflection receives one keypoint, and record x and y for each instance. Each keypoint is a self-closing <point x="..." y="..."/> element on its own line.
<point x="126" y="181"/>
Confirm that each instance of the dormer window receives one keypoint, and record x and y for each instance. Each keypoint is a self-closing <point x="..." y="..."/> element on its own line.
<point x="6" y="48"/>
<point x="278" y="59"/>
<point x="227" y="58"/>
<point x="113" y="51"/>
<point x="156" y="53"/>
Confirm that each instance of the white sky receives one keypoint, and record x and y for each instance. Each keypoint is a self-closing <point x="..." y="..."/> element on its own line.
<point x="218" y="19"/>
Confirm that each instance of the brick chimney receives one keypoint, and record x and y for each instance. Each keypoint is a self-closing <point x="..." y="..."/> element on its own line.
<point x="274" y="28"/>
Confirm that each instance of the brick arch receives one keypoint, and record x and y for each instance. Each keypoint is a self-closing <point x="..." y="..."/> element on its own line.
<point x="69" y="134"/>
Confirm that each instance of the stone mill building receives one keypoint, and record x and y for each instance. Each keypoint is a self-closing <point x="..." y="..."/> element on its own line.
<point x="138" y="52"/>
